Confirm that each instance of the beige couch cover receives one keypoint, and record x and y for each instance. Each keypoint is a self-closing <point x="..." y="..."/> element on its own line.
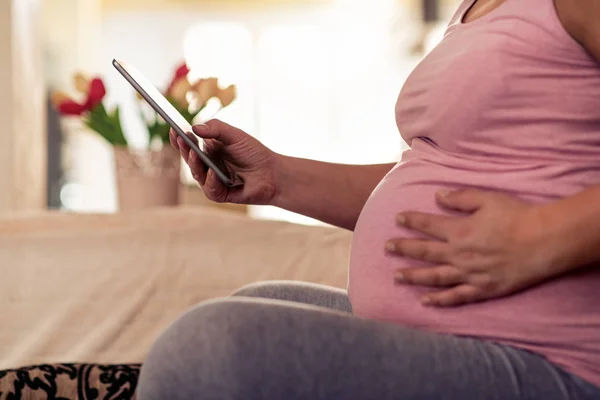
<point x="100" y="288"/>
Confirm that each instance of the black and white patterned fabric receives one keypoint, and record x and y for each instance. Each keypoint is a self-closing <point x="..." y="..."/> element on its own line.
<point x="70" y="382"/>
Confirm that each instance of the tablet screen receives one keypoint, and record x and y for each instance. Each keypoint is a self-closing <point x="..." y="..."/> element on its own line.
<point x="154" y="97"/>
<point x="170" y="114"/>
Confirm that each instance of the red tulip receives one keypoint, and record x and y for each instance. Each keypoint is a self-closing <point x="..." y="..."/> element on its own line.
<point x="182" y="70"/>
<point x="66" y="105"/>
<point x="94" y="91"/>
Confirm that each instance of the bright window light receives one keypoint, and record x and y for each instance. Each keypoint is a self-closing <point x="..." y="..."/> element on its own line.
<point x="218" y="49"/>
<point x="294" y="93"/>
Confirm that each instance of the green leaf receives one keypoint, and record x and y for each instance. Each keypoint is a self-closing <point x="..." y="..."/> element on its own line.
<point x="108" y="126"/>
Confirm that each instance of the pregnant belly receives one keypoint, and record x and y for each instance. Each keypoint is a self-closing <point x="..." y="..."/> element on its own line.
<point x="371" y="284"/>
<point x="559" y="319"/>
<point x="566" y="309"/>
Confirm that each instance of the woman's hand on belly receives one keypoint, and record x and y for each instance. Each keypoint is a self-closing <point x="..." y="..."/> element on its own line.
<point x="497" y="250"/>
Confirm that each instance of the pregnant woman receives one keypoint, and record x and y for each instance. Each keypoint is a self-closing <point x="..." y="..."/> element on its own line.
<point x="474" y="270"/>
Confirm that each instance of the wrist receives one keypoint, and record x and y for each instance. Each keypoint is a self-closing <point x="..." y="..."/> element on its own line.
<point x="541" y="230"/>
<point x="282" y="177"/>
<point x="558" y="238"/>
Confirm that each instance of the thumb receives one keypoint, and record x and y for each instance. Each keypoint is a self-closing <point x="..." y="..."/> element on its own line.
<point x="467" y="200"/>
<point x="220" y="131"/>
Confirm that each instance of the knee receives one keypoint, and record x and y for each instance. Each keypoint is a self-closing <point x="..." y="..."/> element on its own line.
<point x="199" y="355"/>
<point x="263" y="290"/>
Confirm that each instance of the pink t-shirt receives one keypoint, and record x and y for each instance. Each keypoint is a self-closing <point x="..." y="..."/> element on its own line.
<point x="507" y="102"/>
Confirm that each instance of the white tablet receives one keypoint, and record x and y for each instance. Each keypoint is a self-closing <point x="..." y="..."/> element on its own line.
<point x="170" y="114"/>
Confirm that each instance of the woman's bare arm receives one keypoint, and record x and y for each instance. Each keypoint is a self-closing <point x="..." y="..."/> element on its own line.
<point x="332" y="193"/>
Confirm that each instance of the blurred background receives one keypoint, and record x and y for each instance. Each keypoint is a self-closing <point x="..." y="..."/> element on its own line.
<point x="315" y="79"/>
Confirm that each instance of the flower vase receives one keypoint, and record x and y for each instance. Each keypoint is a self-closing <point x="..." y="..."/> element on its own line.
<point x="147" y="179"/>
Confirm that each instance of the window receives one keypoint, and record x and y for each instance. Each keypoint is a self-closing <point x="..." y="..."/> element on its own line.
<point x="309" y="87"/>
<point x="314" y="81"/>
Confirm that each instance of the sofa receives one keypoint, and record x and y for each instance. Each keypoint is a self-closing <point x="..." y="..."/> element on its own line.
<point x="83" y="296"/>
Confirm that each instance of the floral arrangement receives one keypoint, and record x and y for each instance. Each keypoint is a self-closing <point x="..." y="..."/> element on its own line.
<point x="91" y="110"/>
<point x="189" y="98"/>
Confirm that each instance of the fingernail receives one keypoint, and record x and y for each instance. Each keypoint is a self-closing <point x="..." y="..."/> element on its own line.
<point x="399" y="276"/>
<point x="443" y="193"/>
<point x="401" y="219"/>
<point x="201" y="127"/>
<point x="426" y="301"/>
<point x="390" y="246"/>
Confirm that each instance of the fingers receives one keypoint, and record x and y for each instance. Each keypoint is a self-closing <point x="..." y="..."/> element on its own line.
<point x="440" y="276"/>
<point x="424" y="250"/>
<point x="189" y="156"/>
<point x="458" y="295"/>
<point x="218" y="130"/>
<point x="184" y="149"/>
<point x="438" y="226"/>
<point x="211" y="185"/>
<point x="468" y="200"/>
<point x="198" y="168"/>
<point x="213" y="188"/>
<point x="173" y="139"/>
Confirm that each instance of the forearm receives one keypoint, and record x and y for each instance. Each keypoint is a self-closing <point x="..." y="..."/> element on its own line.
<point x="332" y="193"/>
<point x="572" y="230"/>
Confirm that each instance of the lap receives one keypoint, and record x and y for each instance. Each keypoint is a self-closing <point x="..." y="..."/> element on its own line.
<point x="251" y="348"/>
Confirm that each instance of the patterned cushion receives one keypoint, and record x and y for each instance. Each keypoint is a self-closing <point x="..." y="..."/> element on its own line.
<point x="70" y="381"/>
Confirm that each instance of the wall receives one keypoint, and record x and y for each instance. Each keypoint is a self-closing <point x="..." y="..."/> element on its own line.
<point x="72" y="37"/>
<point x="22" y="107"/>
<point x="6" y="170"/>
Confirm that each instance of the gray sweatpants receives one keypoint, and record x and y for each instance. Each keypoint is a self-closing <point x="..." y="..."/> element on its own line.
<point x="295" y="341"/>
